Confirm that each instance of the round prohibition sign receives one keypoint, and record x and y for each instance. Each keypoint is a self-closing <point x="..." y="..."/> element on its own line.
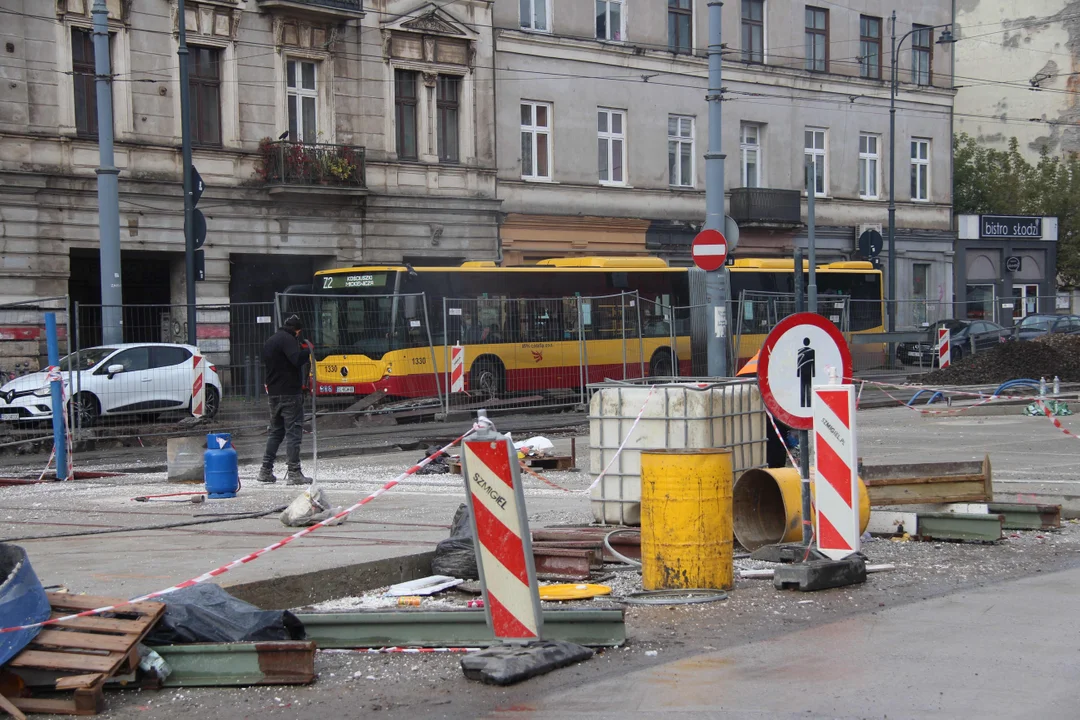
<point x="795" y="357"/>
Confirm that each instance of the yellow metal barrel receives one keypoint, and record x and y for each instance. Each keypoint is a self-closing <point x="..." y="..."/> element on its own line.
<point x="686" y="534"/>
<point x="767" y="507"/>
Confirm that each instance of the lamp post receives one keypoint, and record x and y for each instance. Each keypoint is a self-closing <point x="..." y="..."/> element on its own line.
<point x="894" y="82"/>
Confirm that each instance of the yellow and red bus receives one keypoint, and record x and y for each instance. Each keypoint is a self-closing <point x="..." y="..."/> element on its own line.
<point x="389" y="328"/>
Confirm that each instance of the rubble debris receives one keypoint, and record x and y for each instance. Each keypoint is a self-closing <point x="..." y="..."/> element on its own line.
<point x="509" y="664"/>
<point x="1048" y="356"/>
<point x="821" y="574"/>
<point x="309" y="508"/>
<point x="456" y="555"/>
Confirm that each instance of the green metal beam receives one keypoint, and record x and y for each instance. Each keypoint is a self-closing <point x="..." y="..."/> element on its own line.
<point x="1028" y="516"/>
<point x="960" y="526"/>
<point x="239" y="664"/>
<point x="454" y="628"/>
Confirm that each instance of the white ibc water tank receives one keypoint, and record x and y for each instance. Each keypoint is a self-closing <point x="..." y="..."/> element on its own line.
<point x="692" y="415"/>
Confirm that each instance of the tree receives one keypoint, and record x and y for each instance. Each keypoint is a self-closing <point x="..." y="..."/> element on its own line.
<point x="1003" y="182"/>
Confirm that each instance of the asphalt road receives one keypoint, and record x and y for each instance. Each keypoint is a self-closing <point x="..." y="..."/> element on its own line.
<point x="1004" y="651"/>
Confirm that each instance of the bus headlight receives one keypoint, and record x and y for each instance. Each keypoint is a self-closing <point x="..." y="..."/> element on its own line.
<point x="389" y="370"/>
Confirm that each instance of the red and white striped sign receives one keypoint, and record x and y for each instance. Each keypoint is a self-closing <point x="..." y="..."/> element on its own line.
<point x="943" y="352"/>
<point x="836" y="488"/>
<point x="457" y="369"/>
<point x="198" y="386"/>
<point x="503" y="549"/>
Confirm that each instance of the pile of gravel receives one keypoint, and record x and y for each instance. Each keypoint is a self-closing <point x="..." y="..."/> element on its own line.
<point x="1049" y="356"/>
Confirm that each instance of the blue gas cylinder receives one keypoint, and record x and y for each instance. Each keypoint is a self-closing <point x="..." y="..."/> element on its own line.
<point x="222" y="469"/>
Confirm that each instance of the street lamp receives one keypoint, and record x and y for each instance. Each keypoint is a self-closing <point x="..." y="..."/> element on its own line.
<point x="945" y="39"/>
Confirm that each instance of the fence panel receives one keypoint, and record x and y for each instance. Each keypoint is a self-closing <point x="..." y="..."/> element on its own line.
<point x="147" y="389"/>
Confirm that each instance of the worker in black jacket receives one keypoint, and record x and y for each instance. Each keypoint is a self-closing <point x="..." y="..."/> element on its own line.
<point x="283" y="356"/>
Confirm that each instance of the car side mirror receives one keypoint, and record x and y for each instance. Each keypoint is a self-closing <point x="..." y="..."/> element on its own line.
<point x="115" y="370"/>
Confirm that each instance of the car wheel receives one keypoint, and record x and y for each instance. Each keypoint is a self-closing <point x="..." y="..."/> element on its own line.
<point x="212" y="402"/>
<point x="86" y="409"/>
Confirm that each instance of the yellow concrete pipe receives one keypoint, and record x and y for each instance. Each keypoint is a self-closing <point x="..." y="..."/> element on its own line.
<point x="767" y="507"/>
<point x="686" y="519"/>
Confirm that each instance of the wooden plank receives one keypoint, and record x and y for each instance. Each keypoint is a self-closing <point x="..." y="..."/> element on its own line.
<point x="85" y="641"/>
<point x="71" y="682"/>
<point x="10" y="709"/>
<point x="66" y="661"/>
<point x="92" y="602"/>
<point x="967" y="467"/>
<point x="82" y="703"/>
<point x="108" y="625"/>
<point x="926" y="493"/>
<point x="927" y="480"/>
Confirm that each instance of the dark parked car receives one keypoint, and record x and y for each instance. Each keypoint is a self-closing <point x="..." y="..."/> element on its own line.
<point x="1034" y="326"/>
<point x="964" y="336"/>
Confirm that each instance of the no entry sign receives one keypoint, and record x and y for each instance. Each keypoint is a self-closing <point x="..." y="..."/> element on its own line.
<point x="795" y="357"/>
<point x="709" y="250"/>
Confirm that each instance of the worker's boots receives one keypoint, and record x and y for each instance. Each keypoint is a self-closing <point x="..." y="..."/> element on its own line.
<point x="296" y="477"/>
<point x="266" y="475"/>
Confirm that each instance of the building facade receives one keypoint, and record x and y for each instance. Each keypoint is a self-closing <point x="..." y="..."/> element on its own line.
<point x="602" y="129"/>
<point x="328" y="132"/>
<point x="1016" y="74"/>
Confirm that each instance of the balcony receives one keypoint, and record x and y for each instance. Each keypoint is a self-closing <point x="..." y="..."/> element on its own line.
<point x="342" y="9"/>
<point x="765" y="207"/>
<point x="292" y="166"/>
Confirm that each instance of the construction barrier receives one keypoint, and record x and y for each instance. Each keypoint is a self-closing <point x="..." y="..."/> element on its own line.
<point x="501" y="528"/>
<point x="835" y="464"/>
<point x="457" y="369"/>
<point x="198" y="386"/>
<point x="944" y="352"/>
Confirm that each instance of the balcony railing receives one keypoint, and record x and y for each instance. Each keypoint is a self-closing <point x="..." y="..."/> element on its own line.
<point x="765" y="206"/>
<point x="290" y="163"/>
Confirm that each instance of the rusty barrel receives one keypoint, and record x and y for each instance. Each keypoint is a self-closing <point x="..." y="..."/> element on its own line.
<point x="686" y="532"/>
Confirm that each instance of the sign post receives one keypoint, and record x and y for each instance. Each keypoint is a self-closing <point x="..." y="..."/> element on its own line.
<point x="797" y="354"/>
<point x="709" y="252"/>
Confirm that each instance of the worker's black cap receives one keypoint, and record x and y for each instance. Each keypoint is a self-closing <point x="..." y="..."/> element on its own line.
<point x="293" y="322"/>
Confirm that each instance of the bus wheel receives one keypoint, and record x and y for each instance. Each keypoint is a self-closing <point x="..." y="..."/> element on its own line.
<point x="486" y="378"/>
<point x="660" y="366"/>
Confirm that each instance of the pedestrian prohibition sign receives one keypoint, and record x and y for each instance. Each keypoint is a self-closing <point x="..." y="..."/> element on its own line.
<point x="796" y="355"/>
<point x="501" y="527"/>
<point x="709" y="250"/>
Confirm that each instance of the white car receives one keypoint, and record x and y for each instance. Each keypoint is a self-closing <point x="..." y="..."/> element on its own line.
<point x="144" y="378"/>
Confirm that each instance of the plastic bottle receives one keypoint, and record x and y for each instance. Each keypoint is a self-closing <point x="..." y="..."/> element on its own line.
<point x="1042" y="387"/>
<point x="1057" y="385"/>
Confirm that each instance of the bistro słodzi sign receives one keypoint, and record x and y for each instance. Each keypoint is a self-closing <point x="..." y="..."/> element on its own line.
<point x="1010" y="226"/>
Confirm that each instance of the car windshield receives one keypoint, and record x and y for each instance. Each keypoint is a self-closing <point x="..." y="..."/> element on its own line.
<point x="86" y="359"/>
<point x="1035" y="322"/>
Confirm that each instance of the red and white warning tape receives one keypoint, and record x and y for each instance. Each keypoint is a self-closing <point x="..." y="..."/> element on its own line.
<point x="407" y="650"/>
<point x="250" y="556"/>
<point x="1057" y="423"/>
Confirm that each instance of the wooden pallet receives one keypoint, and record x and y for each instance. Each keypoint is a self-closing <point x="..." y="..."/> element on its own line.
<point x="74" y="658"/>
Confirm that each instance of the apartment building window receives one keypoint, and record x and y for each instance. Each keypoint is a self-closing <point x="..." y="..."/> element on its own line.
<point x="680" y="21"/>
<point x="817" y="39"/>
<point x="609" y="20"/>
<point x="303" y="100"/>
<point x="815" y="139"/>
<point x="405" y="99"/>
<point x="536" y="140"/>
<point x="204" y="83"/>
<point x="869" y="165"/>
<point x="448" y="108"/>
<point x="680" y="130"/>
<point x="920" y="283"/>
<point x="753" y="31"/>
<point x="611" y="146"/>
<point x="534" y="15"/>
<point x="83" y="73"/>
<point x="920" y="170"/>
<point x="750" y="154"/>
<point x="922" y="55"/>
<point x="870" y="47"/>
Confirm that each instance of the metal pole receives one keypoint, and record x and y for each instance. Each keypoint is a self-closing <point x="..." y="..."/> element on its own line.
<point x="185" y="150"/>
<point x="314" y="427"/>
<point x="811" y="234"/>
<point x="622" y="326"/>
<point x="431" y="347"/>
<point x="891" y="299"/>
<point x="640" y="334"/>
<point x="112" y="298"/>
<point x="57" y="389"/>
<point x="804" y="436"/>
<point x="717" y="289"/>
